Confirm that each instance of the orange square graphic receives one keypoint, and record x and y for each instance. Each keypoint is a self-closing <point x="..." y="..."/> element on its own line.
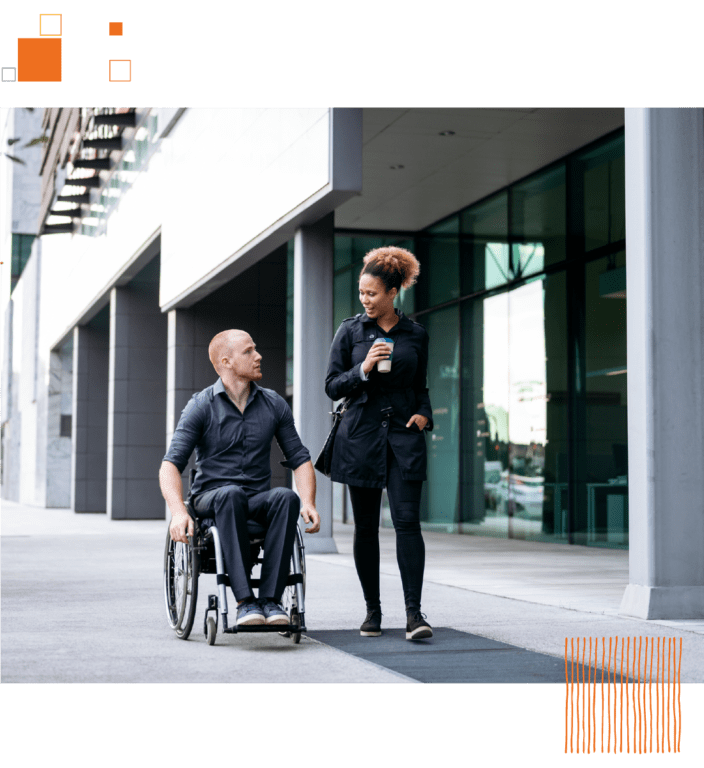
<point x="110" y="63"/>
<point x="115" y="27"/>
<point x="38" y="59"/>
<point x="52" y="34"/>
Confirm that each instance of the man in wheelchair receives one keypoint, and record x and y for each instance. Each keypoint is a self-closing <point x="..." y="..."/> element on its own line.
<point x="230" y="424"/>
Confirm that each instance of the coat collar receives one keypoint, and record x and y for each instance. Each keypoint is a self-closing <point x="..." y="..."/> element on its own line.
<point x="403" y="324"/>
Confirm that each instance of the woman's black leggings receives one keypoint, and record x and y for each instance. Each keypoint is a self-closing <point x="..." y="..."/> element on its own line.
<point x="404" y="500"/>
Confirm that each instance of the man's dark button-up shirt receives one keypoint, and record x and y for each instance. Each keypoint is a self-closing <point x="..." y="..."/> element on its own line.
<point x="233" y="448"/>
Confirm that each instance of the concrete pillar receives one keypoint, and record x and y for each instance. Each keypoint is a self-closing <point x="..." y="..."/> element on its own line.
<point x="180" y="370"/>
<point x="186" y="367"/>
<point x="665" y="287"/>
<point x="89" y="418"/>
<point x="312" y="334"/>
<point x="58" y="427"/>
<point x="137" y="399"/>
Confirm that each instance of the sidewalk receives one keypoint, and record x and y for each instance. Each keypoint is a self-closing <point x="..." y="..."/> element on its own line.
<point x="528" y="594"/>
<point x="82" y="602"/>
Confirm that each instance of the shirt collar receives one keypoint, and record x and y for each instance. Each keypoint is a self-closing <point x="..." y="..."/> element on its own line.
<point x="219" y="389"/>
<point x="403" y="322"/>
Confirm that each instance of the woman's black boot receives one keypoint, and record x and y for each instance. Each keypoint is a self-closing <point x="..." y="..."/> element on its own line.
<point x="372" y="624"/>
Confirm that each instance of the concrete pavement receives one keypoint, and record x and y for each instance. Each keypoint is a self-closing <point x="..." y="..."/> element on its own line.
<point x="82" y="602"/>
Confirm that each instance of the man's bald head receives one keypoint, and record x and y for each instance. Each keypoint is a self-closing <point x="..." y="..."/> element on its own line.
<point x="223" y="345"/>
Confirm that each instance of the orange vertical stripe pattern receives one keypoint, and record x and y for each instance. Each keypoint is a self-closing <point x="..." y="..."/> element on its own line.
<point x="642" y="720"/>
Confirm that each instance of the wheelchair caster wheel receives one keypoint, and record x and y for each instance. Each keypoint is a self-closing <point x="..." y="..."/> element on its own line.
<point x="296" y="621"/>
<point x="212" y="630"/>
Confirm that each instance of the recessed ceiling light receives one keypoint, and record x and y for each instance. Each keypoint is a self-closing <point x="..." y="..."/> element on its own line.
<point x="446" y="133"/>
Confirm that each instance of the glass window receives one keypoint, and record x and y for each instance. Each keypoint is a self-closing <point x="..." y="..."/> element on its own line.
<point x="441" y="262"/>
<point x="604" y="188"/>
<point x="514" y="440"/>
<point x="501" y="456"/>
<point x="485" y="251"/>
<point x="485" y="423"/>
<point x="440" y="501"/>
<point x="602" y="509"/>
<point x="21" y="251"/>
<point x="343" y="252"/>
<point x="538" y="222"/>
<point x="344" y="293"/>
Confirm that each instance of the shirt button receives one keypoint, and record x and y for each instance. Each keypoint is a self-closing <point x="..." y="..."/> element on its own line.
<point x="384" y="423"/>
<point x="371" y="335"/>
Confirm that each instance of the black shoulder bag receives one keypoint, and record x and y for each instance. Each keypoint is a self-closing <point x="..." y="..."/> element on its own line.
<point x="324" y="461"/>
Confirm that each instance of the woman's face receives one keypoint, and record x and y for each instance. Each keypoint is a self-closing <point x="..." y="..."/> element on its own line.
<point x="376" y="300"/>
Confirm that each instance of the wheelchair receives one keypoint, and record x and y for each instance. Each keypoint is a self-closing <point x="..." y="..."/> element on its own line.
<point x="183" y="563"/>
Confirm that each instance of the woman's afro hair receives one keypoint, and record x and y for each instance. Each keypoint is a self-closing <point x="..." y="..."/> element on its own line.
<point x="395" y="267"/>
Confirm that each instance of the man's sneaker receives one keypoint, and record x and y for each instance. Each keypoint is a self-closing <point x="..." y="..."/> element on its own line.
<point x="372" y="624"/>
<point x="249" y="613"/>
<point x="416" y="626"/>
<point x="274" y="613"/>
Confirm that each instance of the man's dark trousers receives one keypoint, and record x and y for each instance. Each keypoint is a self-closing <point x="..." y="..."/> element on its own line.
<point x="276" y="510"/>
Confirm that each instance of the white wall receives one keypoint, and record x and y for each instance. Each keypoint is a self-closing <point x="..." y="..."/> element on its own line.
<point x="222" y="189"/>
<point x="234" y="174"/>
<point x="24" y="428"/>
<point x="220" y="178"/>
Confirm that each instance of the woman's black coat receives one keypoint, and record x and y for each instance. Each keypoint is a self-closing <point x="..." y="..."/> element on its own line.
<point x="359" y="452"/>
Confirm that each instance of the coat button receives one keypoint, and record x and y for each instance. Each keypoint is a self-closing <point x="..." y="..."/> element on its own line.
<point x="371" y="335"/>
<point x="384" y="423"/>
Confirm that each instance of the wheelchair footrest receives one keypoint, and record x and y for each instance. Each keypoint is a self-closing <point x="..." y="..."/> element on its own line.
<point x="265" y="628"/>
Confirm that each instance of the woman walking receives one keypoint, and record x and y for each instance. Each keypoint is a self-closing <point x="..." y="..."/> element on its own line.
<point x="380" y="439"/>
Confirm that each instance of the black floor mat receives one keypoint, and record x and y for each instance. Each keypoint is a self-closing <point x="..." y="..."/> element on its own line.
<point x="448" y="657"/>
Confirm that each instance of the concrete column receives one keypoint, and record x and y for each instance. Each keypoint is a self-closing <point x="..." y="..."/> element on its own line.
<point x="184" y="362"/>
<point x="180" y="369"/>
<point x="312" y="334"/>
<point x="90" y="418"/>
<point x="665" y="287"/>
<point x="137" y="400"/>
<point x="58" y="427"/>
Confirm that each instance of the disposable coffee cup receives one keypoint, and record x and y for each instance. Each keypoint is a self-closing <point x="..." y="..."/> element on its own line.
<point x="384" y="366"/>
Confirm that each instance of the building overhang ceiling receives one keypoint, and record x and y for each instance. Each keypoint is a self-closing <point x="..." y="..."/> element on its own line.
<point x="420" y="165"/>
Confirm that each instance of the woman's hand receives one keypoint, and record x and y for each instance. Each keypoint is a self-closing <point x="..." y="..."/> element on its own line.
<point x="421" y="421"/>
<point x="377" y="352"/>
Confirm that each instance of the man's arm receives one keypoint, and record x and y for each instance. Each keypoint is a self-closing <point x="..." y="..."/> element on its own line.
<point x="186" y="435"/>
<point x="172" y="491"/>
<point x="305" y="482"/>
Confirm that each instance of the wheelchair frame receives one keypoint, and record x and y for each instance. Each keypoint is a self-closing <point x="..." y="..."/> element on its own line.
<point x="183" y="563"/>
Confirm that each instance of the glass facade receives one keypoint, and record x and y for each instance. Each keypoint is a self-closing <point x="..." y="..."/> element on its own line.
<point x="523" y="295"/>
<point x="21" y="251"/>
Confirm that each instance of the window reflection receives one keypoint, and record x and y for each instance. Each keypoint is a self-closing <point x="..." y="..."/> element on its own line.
<point x="440" y="501"/>
<point x="602" y="493"/>
<point x="514" y="440"/>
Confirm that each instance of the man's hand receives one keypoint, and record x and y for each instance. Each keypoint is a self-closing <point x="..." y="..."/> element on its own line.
<point x="310" y="516"/>
<point x="305" y="482"/>
<point x="181" y="524"/>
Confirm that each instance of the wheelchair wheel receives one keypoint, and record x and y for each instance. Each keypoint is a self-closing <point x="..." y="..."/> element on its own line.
<point x="180" y="585"/>
<point x="288" y="600"/>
